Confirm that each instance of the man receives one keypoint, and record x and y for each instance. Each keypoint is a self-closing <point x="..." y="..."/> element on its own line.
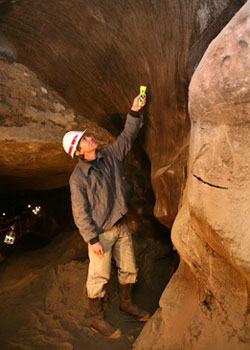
<point x="99" y="204"/>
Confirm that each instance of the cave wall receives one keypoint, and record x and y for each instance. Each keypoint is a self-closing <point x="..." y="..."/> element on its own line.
<point x="33" y="121"/>
<point x="206" y="304"/>
<point x="95" y="54"/>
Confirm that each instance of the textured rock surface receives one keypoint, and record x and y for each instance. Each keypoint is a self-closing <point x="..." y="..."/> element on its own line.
<point x="96" y="53"/>
<point x="207" y="303"/>
<point x="33" y="119"/>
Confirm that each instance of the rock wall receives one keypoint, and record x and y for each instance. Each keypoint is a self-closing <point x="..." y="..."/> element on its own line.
<point x="96" y="53"/>
<point x="206" y="304"/>
<point x="33" y="120"/>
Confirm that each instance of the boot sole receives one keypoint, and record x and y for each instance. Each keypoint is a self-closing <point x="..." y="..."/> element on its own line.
<point x="142" y="319"/>
<point x="117" y="334"/>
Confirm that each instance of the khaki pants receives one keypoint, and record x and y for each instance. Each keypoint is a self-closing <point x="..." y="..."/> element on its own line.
<point x="116" y="242"/>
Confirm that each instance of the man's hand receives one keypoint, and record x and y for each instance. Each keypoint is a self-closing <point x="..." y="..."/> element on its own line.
<point x="135" y="107"/>
<point x="97" y="248"/>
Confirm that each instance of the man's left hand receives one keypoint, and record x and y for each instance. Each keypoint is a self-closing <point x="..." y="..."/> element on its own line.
<point x="135" y="106"/>
<point x="97" y="248"/>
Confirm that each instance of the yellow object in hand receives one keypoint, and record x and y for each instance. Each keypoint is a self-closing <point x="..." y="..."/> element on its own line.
<point x="142" y="93"/>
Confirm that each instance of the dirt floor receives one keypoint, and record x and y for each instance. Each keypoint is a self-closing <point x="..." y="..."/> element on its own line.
<point x="43" y="301"/>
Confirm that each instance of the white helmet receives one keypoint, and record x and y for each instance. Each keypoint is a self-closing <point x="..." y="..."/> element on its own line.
<point x="71" y="140"/>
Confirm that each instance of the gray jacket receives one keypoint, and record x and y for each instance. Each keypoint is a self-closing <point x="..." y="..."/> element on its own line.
<point x="99" y="194"/>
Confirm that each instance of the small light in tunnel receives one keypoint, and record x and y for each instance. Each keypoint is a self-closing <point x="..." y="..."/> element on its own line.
<point x="29" y="205"/>
<point x="36" y="210"/>
<point x="11" y="236"/>
<point x="4" y="214"/>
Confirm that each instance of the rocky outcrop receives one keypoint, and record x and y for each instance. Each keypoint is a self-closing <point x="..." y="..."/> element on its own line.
<point x="206" y="304"/>
<point x="33" y="120"/>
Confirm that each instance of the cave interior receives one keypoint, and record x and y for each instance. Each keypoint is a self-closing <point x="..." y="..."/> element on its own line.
<point x="74" y="65"/>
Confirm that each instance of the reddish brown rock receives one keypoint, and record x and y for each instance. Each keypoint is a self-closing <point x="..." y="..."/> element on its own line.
<point x="206" y="305"/>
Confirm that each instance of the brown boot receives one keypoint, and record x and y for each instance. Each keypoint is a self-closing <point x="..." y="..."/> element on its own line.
<point x="127" y="305"/>
<point x="97" y="321"/>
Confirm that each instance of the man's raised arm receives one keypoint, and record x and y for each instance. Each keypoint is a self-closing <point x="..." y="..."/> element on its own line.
<point x="134" y="122"/>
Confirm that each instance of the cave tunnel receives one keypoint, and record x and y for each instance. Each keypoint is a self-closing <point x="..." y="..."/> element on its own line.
<point x="79" y="65"/>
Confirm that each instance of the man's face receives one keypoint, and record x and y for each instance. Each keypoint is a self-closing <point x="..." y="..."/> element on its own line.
<point x="87" y="144"/>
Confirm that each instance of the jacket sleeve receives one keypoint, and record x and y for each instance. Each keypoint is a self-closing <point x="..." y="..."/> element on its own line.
<point x="81" y="211"/>
<point x="124" y="141"/>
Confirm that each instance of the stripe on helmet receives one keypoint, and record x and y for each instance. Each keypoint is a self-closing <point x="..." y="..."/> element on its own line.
<point x="72" y="145"/>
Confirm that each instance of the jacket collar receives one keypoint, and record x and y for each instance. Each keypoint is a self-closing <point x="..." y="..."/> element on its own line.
<point x="85" y="165"/>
